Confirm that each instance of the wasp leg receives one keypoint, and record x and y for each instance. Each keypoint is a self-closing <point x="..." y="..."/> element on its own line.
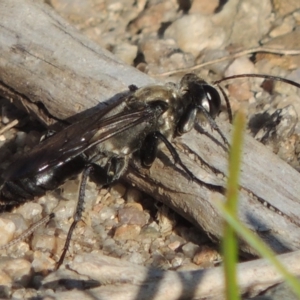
<point x="78" y="213"/>
<point x="187" y="120"/>
<point x="115" y="168"/>
<point x="149" y="152"/>
<point x="213" y="124"/>
<point x="47" y="135"/>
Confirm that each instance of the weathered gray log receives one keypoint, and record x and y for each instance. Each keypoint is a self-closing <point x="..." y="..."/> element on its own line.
<point x="138" y="282"/>
<point x="53" y="71"/>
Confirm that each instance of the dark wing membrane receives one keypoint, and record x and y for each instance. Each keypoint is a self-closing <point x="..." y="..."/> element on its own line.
<point x="74" y="140"/>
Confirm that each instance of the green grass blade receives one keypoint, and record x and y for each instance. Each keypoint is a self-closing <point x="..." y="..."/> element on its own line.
<point x="259" y="246"/>
<point x="230" y="243"/>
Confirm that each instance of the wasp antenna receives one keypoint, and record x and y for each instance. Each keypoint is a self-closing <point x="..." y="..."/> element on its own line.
<point x="276" y="78"/>
<point x="228" y="106"/>
<point x="132" y="88"/>
<point x="28" y="232"/>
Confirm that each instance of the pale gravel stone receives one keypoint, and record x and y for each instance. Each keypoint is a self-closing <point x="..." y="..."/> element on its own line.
<point x="101" y="232"/>
<point x="157" y="244"/>
<point x="174" y="245"/>
<point x="286" y="26"/>
<point x="240" y="89"/>
<point x="25" y="294"/>
<point x="213" y="54"/>
<point x="70" y="187"/>
<point x="110" y="223"/>
<point x="119" y="202"/>
<point x="241" y="65"/>
<point x="109" y="245"/>
<point x="107" y="213"/>
<point x="175" y="238"/>
<point x="133" y="195"/>
<point x="42" y="261"/>
<point x="30" y="211"/>
<point x="132" y="215"/>
<point x="7" y="229"/>
<point x="43" y="241"/>
<point x="18" y="269"/>
<point x="177" y="261"/>
<point x="65" y="210"/>
<point x="164" y="54"/>
<point x="190" y="249"/>
<point x="135" y="258"/>
<point x="5" y="279"/>
<point x="134" y="205"/>
<point x="126" y="52"/>
<point x="20" y="249"/>
<point x="238" y="17"/>
<point x="296" y="16"/>
<point x="126" y="232"/>
<point x="285" y="7"/>
<point x="149" y="232"/>
<point x="118" y="190"/>
<point x="206" y="257"/>
<point x="20" y="223"/>
<point x="49" y="202"/>
<point x="204" y="6"/>
<point x="203" y="34"/>
<point x="188" y="267"/>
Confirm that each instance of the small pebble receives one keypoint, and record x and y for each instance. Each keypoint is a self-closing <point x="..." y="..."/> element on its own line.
<point x="118" y="190"/>
<point x="43" y="242"/>
<point x="109" y="245"/>
<point x="18" y="269"/>
<point x="133" y="195"/>
<point x="135" y="258"/>
<point x="107" y="213"/>
<point x="132" y="215"/>
<point x="201" y="28"/>
<point x="190" y="249"/>
<point x="205" y="257"/>
<point x="31" y="211"/>
<point x="174" y="245"/>
<point x="42" y="263"/>
<point x="177" y="261"/>
<point x="5" y="280"/>
<point x="7" y="229"/>
<point x="126" y="232"/>
<point x="126" y="52"/>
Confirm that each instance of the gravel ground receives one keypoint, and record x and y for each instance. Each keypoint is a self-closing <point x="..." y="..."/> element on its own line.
<point x="156" y="37"/>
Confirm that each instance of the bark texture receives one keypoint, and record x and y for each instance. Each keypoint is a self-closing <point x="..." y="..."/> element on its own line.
<point x="54" y="72"/>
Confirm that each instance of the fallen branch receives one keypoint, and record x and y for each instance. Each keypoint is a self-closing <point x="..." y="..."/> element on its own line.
<point x="122" y="280"/>
<point x="53" y="71"/>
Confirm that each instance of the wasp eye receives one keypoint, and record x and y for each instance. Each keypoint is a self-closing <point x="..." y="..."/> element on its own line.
<point x="212" y="101"/>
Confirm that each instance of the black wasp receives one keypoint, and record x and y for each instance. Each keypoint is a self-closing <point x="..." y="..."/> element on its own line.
<point x="107" y="140"/>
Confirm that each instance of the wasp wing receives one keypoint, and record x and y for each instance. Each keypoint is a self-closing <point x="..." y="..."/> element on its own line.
<point x="75" y="139"/>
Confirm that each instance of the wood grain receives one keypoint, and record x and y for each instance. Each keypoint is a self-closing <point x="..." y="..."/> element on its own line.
<point x="53" y="71"/>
